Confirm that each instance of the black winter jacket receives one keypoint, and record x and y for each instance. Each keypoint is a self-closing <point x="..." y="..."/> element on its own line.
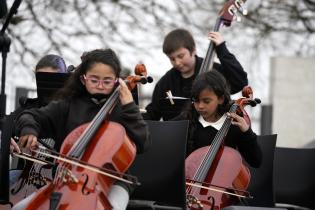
<point x="245" y="142"/>
<point x="181" y="87"/>
<point x="59" y="118"/>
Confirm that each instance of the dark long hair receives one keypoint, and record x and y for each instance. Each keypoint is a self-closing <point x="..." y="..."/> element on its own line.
<point x="214" y="81"/>
<point x="74" y="86"/>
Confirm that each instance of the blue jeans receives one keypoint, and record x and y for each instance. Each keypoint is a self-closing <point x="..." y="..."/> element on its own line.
<point x="14" y="176"/>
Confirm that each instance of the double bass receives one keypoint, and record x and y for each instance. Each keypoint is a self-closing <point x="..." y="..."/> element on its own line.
<point x="227" y="14"/>
<point x="34" y="175"/>
<point x="92" y="157"/>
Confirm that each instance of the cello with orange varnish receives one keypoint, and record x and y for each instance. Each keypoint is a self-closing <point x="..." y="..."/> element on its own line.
<point x="83" y="177"/>
<point x="215" y="175"/>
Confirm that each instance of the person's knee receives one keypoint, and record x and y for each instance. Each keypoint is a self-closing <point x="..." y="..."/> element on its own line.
<point x="23" y="203"/>
<point x="118" y="197"/>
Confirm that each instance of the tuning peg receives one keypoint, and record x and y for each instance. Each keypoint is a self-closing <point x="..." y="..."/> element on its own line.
<point x="243" y="10"/>
<point x="234" y="12"/>
<point x="239" y="4"/>
<point x="238" y="17"/>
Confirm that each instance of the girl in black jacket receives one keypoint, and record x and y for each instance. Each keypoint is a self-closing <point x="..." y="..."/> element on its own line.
<point x="81" y="99"/>
<point x="211" y="103"/>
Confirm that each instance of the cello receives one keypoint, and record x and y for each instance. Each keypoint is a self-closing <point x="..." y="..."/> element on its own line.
<point x="34" y="175"/>
<point x="215" y="174"/>
<point x="92" y="157"/>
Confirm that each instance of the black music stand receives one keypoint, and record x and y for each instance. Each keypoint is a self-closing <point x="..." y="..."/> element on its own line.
<point x="48" y="83"/>
<point x="4" y="160"/>
<point x="170" y="110"/>
<point x="160" y="170"/>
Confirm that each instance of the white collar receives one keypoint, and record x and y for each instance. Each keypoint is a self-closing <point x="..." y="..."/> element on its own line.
<point x="217" y="125"/>
<point x="96" y="101"/>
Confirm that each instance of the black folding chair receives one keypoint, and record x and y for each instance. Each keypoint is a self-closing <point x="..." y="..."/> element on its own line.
<point x="261" y="184"/>
<point x="161" y="169"/>
<point x="294" y="181"/>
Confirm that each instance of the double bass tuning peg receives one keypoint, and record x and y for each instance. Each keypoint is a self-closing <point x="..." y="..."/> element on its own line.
<point x="244" y="11"/>
<point x="240" y="7"/>
<point x="235" y="13"/>
<point x="236" y="9"/>
<point x="238" y="18"/>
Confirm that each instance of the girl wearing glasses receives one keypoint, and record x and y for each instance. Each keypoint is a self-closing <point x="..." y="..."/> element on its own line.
<point x="78" y="102"/>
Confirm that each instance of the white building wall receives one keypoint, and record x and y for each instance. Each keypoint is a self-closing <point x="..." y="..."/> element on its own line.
<point x="293" y="99"/>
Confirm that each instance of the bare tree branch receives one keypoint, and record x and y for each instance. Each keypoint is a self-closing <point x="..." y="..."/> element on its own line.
<point x="136" y="28"/>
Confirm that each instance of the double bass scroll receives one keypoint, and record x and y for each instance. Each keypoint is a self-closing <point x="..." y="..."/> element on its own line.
<point x="227" y="14"/>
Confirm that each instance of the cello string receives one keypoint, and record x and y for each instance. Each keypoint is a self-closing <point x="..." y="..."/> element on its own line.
<point x="78" y="147"/>
<point x="202" y="168"/>
<point x="94" y="169"/>
<point x="206" y="163"/>
<point x="86" y="163"/>
<point x="93" y="126"/>
<point x="215" y="146"/>
<point x="46" y="173"/>
<point x="210" y="155"/>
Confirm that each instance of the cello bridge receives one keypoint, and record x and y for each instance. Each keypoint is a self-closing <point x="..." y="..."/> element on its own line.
<point x="193" y="202"/>
<point x="67" y="176"/>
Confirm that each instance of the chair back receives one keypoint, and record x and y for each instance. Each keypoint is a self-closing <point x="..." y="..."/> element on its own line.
<point x="261" y="184"/>
<point x="161" y="169"/>
<point x="294" y="173"/>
